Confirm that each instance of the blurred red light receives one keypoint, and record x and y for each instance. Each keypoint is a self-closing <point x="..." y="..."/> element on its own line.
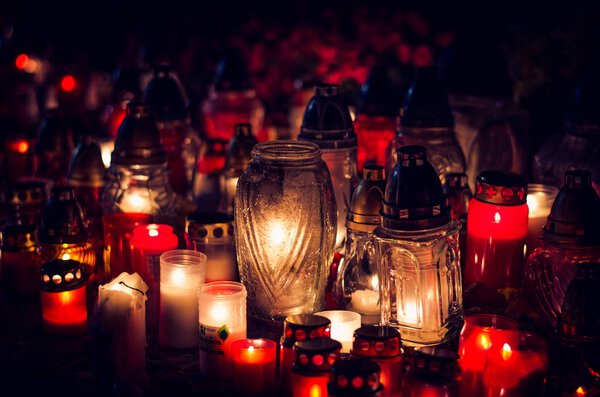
<point x="19" y="146"/>
<point x="68" y="83"/>
<point x="21" y="61"/>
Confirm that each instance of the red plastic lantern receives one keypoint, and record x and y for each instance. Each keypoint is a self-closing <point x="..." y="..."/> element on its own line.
<point x="310" y="371"/>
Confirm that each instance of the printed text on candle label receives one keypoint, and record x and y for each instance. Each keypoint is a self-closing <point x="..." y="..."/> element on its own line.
<point x="212" y="338"/>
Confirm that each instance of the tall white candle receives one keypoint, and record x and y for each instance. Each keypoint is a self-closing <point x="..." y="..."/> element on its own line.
<point x="120" y="327"/>
<point x="343" y="325"/>
<point x="181" y="274"/>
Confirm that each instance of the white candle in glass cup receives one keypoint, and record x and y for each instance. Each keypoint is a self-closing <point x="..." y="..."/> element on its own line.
<point x="181" y="274"/>
<point x="539" y="200"/>
<point x="343" y="325"/>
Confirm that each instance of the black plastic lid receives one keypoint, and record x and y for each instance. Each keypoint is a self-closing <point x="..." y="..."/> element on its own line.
<point x="59" y="275"/>
<point x="414" y="198"/>
<point x="302" y="327"/>
<point x="86" y="168"/>
<point x="231" y="73"/>
<point x="165" y="95"/>
<point x="575" y="214"/>
<point x="138" y="139"/>
<point x="456" y="180"/>
<point x="365" y="206"/>
<point x="54" y="135"/>
<point x="354" y="377"/>
<point x="205" y="225"/>
<point x="376" y="341"/>
<point x="501" y="187"/>
<point x="379" y="95"/>
<point x="62" y="222"/>
<point x="327" y="120"/>
<point x="239" y="152"/>
<point x="316" y="355"/>
<point x="433" y="363"/>
<point x="426" y="104"/>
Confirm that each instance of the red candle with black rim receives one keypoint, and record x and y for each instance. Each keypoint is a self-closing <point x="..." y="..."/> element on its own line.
<point x="312" y="365"/>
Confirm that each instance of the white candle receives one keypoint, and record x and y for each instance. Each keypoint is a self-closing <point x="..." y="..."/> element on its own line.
<point x="120" y="326"/>
<point x="539" y="200"/>
<point x="365" y="301"/>
<point x="181" y="274"/>
<point x="343" y="325"/>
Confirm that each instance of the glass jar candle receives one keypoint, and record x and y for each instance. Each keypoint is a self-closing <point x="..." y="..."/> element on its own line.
<point x="253" y="371"/>
<point x="212" y="234"/>
<point x="64" y="310"/>
<point x="432" y="372"/>
<point x="382" y="344"/>
<point x="181" y="274"/>
<point x="343" y="325"/>
<point x="496" y="232"/>
<point x="417" y="247"/>
<point x="285" y="219"/>
<point x="357" y="284"/>
<point x="208" y="178"/>
<point x="20" y="261"/>
<point x="222" y="320"/>
<point x="298" y="328"/>
<point x="354" y="377"/>
<point x="328" y="124"/>
<point x="312" y="365"/>
<point x="539" y="203"/>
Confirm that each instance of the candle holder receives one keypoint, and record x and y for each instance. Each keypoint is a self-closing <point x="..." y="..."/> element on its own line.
<point x="352" y="376"/>
<point x="432" y="372"/>
<point x="212" y="234"/>
<point x="343" y="325"/>
<point x="382" y="345"/>
<point x="222" y="310"/>
<point x="328" y="124"/>
<point x="496" y="232"/>
<point x="53" y="147"/>
<point x="570" y="236"/>
<point x="417" y="243"/>
<point x="208" y="178"/>
<point x="459" y="194"/>
<point x="311" y="368"/>
<point x="181" y="274"/>
<point x="539" y="202"/>
<point x="285" y="217"/>
<point x="20" y="261"/>
<point x="357" y="283"/>
<point x="254" y="362"/>
<point x="118" y="231"/>
<point x="64" y="310"/>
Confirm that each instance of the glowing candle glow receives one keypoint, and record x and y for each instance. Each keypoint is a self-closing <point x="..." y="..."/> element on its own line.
<point x="539" y="201"/>
<point x="181" y="274"/>
<point x="254" y="366"/>
<point x="343" y="325"/>
<point x="106" y="148"/>
<point x="311" y="369"/>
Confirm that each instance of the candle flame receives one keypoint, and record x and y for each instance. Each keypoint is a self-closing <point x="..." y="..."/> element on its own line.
<point x="580" y="391"/>
<point x="375" y="282"/>
<point x="178" y="277"/>
<point x="251" y="349"/>
<point x="66" y="257"/>
<point x="497" y="217"/>
<point x="152" y="230"/>
<point x="315" y="391"/>
<point x="484" y="341"/>
<point x="506" y="352"/>
<point x="277" y="234"/>
<point x="533" y="202"/>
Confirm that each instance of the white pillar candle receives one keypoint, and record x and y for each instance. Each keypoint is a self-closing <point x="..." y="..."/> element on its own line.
<point x="222" y="320"/>
<point x="539" y="200"/>
<point x="120" y="327"/>
<point x="343" y="325"/>
<point x="181" y="274"/>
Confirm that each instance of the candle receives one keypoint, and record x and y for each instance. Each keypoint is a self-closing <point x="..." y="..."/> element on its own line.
<point x="148" y="243"/>
<point x="106" y="148"/>
<point x="181" y="274"/>
<point x="120" y="328"/>
<point x="343" y="325"/>
<point x="222" y="320"/>
<point x="312" y="366"/>
<point x="64" y="310"/>
<point x="254" y="366"/>
<point x="118" y="231"/>
<point x="539" y="201"/>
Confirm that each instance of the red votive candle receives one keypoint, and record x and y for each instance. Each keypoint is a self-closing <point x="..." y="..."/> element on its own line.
<point x="496" y="231"/>
<point x="254" y="366"/>
<point x="64" y="310"/>
<point x="312" y="366"/>
<point x="118" y="231"/>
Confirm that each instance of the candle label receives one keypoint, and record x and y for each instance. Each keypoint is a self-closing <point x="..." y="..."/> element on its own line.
<point x="153" y="265"/>
<point x="213" y="338"/>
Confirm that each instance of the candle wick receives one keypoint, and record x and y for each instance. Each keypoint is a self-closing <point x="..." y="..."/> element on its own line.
<point x="135" y="289"/>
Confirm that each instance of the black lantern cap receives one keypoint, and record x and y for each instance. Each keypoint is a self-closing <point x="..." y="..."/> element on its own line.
<point x="426" y="104"/>
<point x="379" y="95"/>
<point x="86" y="168"/>
<point x="354" y="377"/>
<point x="165" y="95"/>
<point x="414" y="198"/>
<point x="302" y="327"/>
<point x="62" y="222"/>
<point x="208" y="225"/>
<point x="501" y="187"/>
<point x="376" y="341"/>
<point x="327" y="120"/>
<point x="54" y="134"/>
<point x="456" y="180"/>
<point x="138" y="139"/>
<point x="231" y="73"/>
<point x="365" y="205"/>
<point x="433" y="363"/>
<point x="579" y="321"/>
<point x="239" y="152"/>
<point x="575" y="215"/>
<point x="59" y="275"/>
<point x="315" y="356"/>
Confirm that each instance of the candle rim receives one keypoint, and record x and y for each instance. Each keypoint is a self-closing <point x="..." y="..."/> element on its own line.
<point x="238" y="290"/>
<point x="247" y="343"/>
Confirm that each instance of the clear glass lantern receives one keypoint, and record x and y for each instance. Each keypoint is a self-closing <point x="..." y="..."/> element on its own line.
<point x="138" y="175"/>
<point x="285" y="229"/>
<point x="328" y="124"/>
<point x="417" y="247"/>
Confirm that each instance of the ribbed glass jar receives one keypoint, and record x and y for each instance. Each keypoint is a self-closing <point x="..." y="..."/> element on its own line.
<point x="285" y="218"/>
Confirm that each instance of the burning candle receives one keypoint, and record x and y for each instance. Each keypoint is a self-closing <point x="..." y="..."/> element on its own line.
<point x="312" y="366"/>
<point x="106" y="148"/>
<point x="254" y="366"/>
<point x="222" y="320"/>
<point x="343" y="325"/>
<point x="118" y="231"/>
<point x="539" y="201"/>
<point x="120" y="328"/>
<point x="64" y="308"/>
<point x="181" y="274"/>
